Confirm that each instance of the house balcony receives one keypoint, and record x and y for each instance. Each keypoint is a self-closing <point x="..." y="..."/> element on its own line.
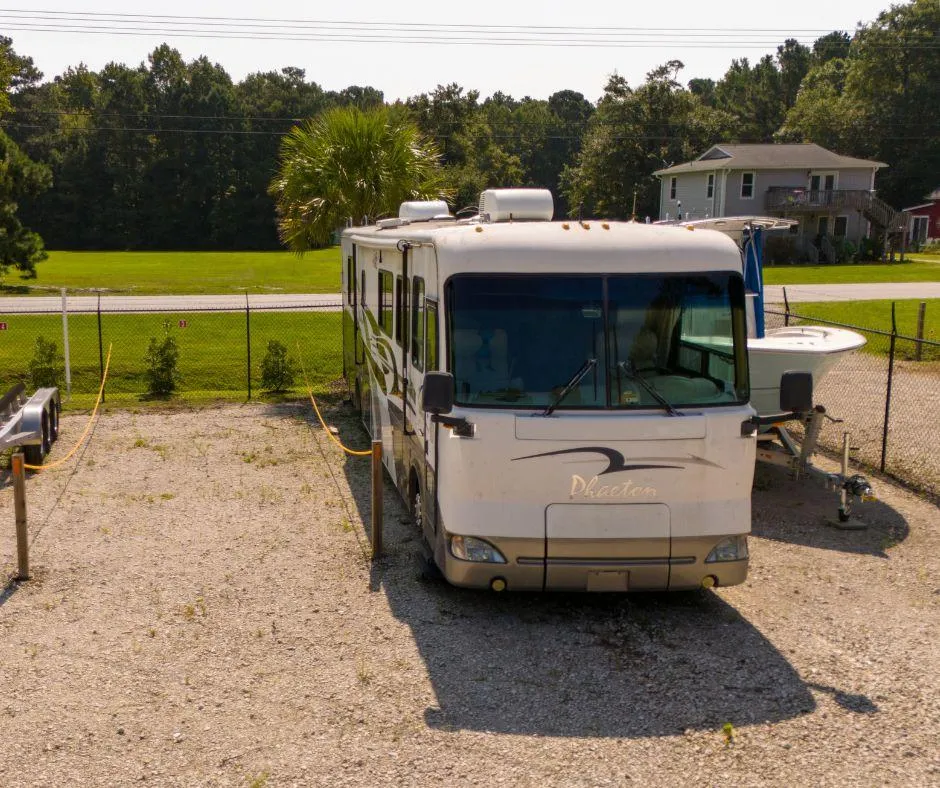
<point x="789" y="200"/>
<point x="798" y="200"/>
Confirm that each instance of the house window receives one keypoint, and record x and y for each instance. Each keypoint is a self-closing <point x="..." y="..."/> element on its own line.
<point x="385" y="302"/>
<point x="840" y="227"/>
<point x="747" y="185"/>
<point x="673" y="186"/>
<point x="710" y="189"/>
<point x="919" y="227"/>
<point x="824" y="181"/>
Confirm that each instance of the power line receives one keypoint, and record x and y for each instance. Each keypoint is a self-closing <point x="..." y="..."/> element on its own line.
<point x="453" y="124"/>
<point x="565" y="29"/>
<point x="240" y="28"/>
<point x="239" y="132"/>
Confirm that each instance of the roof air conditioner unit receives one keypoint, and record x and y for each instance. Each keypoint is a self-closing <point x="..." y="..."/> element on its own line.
<point x="516" y="205"/>
<point x="418" y="210"/>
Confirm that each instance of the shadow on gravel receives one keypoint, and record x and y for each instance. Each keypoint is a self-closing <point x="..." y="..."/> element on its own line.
<point x="575" y="665"/>
<point x="804" y="512"/>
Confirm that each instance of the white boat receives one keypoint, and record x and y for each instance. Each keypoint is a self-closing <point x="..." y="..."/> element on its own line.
<point x="813" y="349"/>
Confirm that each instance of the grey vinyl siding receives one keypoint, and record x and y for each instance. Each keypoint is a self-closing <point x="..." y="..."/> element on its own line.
<point x="691" y="191"/>
<point x="763" y="179"/>
<point x="854" y="179"/>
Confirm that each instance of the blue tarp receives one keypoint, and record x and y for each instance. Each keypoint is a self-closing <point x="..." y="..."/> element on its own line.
<point x="753" y="240"/>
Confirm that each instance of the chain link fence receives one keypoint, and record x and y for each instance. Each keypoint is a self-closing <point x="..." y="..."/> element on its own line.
<point x="887" y="394"/>
<point x="888" y="397"/>
<point x="222" y="353"/>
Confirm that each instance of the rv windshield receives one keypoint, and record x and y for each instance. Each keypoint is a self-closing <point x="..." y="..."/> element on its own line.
<point x="515" y="340"/>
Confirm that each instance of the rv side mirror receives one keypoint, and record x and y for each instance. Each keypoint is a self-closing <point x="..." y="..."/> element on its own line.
<point x="438" y="394"/>
<point x="796" y="392"/>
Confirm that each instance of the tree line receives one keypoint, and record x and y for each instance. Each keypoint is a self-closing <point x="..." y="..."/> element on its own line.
<point x="172" y="154"/>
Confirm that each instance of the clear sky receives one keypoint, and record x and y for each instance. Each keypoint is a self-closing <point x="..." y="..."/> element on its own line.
<point x="705" y="36"/>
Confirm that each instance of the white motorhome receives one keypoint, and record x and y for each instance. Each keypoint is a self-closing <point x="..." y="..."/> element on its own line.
<point x="563" y="405"/>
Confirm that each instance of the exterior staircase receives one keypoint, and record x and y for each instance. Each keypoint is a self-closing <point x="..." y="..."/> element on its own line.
<point x="873" y="208"/>
<point x="877" y="211"/>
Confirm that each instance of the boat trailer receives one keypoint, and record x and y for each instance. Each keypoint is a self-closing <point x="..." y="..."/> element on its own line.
<point x="775" y="445"/>
<point x="31" y="423"/>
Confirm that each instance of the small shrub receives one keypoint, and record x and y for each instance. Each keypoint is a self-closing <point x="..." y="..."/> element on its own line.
<point x="780" y="249"/>
<point x="869" y="249"/>
<point x="278" y="370"/>
<point x="47" y="366"/>
<point x="162" y="358"/>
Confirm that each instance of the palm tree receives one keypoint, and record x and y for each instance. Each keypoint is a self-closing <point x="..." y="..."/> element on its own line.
<point x="349" y="164"/>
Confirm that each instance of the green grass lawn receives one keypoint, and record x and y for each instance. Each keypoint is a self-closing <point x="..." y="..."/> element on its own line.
<point x="213" y="361"/>
<point x="924" y="269"/>
<point x="149" y="273"/>
<point x="877" y="315"/>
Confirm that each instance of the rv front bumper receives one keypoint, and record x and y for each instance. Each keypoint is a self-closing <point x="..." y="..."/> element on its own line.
<point x="595" y="565"/>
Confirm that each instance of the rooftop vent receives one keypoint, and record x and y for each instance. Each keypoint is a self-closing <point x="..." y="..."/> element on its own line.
<point x="418" y="211"/>
<point x="516" y="205"/>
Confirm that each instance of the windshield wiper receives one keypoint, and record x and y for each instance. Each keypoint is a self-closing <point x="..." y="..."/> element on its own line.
<point x="631" y="373"/>
<point x="586" y="367"/>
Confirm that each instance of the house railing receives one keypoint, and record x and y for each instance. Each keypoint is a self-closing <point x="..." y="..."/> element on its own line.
<point x="799" y="200"/>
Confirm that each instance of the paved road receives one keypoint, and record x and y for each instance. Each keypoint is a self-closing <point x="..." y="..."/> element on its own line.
<point x="875" y="291"/>
<point x="183" y="303"/>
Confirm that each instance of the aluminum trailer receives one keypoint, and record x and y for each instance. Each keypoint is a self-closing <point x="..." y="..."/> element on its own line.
<point x="31" y="423"/>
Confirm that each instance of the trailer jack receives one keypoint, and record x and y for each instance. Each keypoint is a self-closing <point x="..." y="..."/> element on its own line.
<point x="775" y="445"/>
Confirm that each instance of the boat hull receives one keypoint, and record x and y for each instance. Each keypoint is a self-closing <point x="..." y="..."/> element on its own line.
<point x="813" y="349"/>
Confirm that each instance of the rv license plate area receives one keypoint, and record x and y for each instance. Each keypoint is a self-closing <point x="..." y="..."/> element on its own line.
<point x="608" y="581"/>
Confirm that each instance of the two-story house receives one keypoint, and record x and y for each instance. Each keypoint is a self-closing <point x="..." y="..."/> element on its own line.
<point x="832" y="196"/>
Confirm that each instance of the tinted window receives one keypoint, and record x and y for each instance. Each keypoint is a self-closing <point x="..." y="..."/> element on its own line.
<point x="386" y="314"/>
<point x="417" y="323"/>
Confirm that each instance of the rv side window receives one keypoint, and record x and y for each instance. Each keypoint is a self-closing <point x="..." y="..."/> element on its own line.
<point x="417" y="323"/>
<point x="385" y="302"/>
<point x="350" y="282"/>
<point x="431" y="335"/>
<point x="398" y="312"/>
<point x="404" y="315"/>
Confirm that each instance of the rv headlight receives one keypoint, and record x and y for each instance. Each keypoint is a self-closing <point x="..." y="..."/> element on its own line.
<point x="734" y="548"/>
<point x="469" y="548"/>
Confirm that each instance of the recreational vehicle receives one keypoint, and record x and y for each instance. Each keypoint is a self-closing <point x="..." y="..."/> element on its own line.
<point x="563" y="405"/>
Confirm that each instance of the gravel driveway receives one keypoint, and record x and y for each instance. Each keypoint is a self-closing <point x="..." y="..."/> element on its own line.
<point x="203" y="613"/>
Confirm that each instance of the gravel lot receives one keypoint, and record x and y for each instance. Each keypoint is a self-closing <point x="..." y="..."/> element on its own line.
<point x="203" y="613"/>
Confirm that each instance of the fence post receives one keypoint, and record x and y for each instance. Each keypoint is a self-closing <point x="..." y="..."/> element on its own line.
<point x="884" y="436"/>
<point x="65" y="343"/>
<point x="377" y="514"/>
<point x="919" y="345"/>
<point x="248" y="340"/>
<point x="19" y="509"/>
<point x="786" y="309"/>
<point x="100" y="346"/>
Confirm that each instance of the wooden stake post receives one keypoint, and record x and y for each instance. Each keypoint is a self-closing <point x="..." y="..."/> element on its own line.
<point x="919" y="345"/>
<point x="19" y="508"/>
<point x="376" y="500"/>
